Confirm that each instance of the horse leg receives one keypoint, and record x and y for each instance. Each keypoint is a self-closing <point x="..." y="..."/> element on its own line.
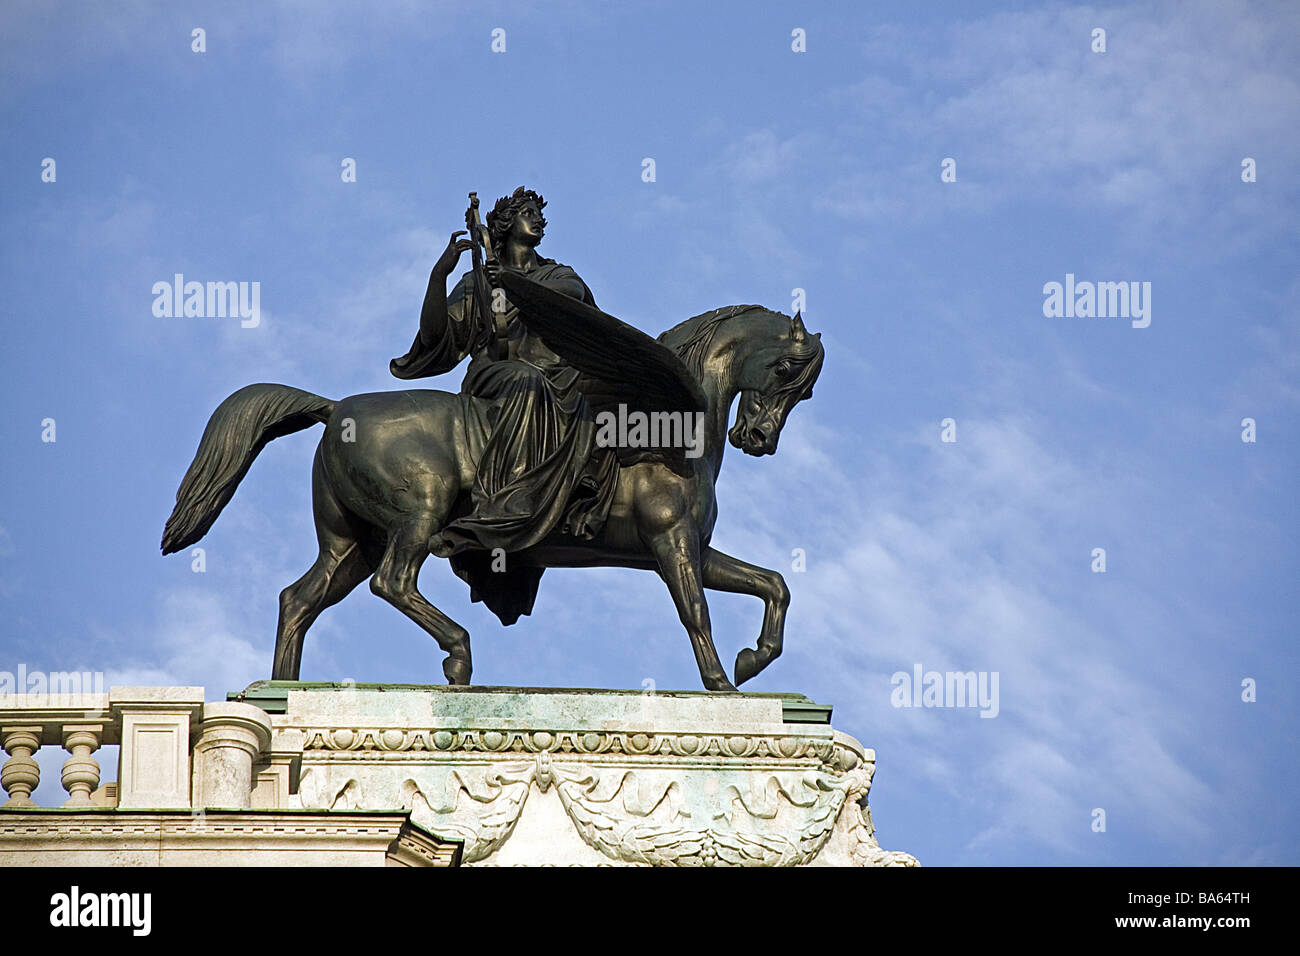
<point x="722" y="572"/>
<point x="339" y="568"/>
<point x="677" y="552"/>
<point x="395" y="582"/>
<point x="327" y="582"/>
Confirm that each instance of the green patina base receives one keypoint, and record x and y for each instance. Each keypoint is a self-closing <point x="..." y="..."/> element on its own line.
<point x="272" y="696"/>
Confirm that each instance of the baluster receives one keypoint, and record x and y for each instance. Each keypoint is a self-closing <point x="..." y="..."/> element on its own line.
<point x="81" y="772"/>
<point x="20" y="774"/>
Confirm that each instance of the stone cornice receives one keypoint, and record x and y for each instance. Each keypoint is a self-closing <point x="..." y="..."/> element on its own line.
<point x="51" y="837"/>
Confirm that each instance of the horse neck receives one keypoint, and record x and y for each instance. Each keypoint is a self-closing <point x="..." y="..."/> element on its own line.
<point x="718" y="379"/>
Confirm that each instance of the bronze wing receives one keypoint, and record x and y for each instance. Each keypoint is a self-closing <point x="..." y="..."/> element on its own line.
<point x="620" y="363"/>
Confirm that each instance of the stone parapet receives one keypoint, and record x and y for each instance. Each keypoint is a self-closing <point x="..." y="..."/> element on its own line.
<point x="299" y="774"/>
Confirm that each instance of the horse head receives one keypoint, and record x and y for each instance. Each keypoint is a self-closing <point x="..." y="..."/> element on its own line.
<point x="775" y="374"/>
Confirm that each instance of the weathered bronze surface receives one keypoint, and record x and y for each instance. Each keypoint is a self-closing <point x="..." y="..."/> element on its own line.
<point x="529" y="466"/>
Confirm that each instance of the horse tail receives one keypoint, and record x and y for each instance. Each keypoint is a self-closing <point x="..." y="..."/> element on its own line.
<point x="239" y="429"/>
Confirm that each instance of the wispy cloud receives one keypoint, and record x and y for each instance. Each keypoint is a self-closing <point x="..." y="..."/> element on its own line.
<point x="953" y="561"/>
<point x="1028" y="110"/>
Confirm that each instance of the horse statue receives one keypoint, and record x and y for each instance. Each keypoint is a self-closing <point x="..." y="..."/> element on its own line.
<point x="392" y="468"/>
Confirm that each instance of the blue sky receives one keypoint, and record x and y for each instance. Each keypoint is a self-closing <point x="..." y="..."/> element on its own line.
<point x="775" y="170"/>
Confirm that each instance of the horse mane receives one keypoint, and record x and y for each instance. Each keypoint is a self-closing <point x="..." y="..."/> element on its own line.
<point x="691" y="339"/>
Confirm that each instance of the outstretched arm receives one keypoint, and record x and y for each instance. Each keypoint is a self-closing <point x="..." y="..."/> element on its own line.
<point x="442" y="339"/>
<point x="433" y="317"/>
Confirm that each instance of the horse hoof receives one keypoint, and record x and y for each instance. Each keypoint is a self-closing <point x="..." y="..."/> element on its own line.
<point x="747" y="665"/>
<point x="457" y="671"/>
<point x="720" y="685"/>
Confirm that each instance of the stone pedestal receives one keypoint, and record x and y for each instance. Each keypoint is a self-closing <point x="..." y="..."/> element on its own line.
<point x="585" y="777"/>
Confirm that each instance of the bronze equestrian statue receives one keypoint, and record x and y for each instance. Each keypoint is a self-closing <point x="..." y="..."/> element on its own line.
<point x="517" y="472"/>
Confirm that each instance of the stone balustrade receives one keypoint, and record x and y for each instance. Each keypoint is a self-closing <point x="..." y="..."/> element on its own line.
<point x="176" y="752"/>
<point x="197" y="784"/>
<point x="79" y="723"/>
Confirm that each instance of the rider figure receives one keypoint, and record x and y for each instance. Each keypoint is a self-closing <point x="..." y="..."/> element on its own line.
<point x="540" y="468"/>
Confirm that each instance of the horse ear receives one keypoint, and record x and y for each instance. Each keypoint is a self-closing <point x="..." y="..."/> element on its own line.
<point x="797" y="331"/>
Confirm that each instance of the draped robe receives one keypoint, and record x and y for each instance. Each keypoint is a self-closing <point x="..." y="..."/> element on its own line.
<point x="539" y="468"/>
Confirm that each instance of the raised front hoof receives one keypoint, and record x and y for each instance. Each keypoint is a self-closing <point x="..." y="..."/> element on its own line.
<point x="457" y="671"/>
<point x="747" y="665"/>
<point x="720" y="685"/>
